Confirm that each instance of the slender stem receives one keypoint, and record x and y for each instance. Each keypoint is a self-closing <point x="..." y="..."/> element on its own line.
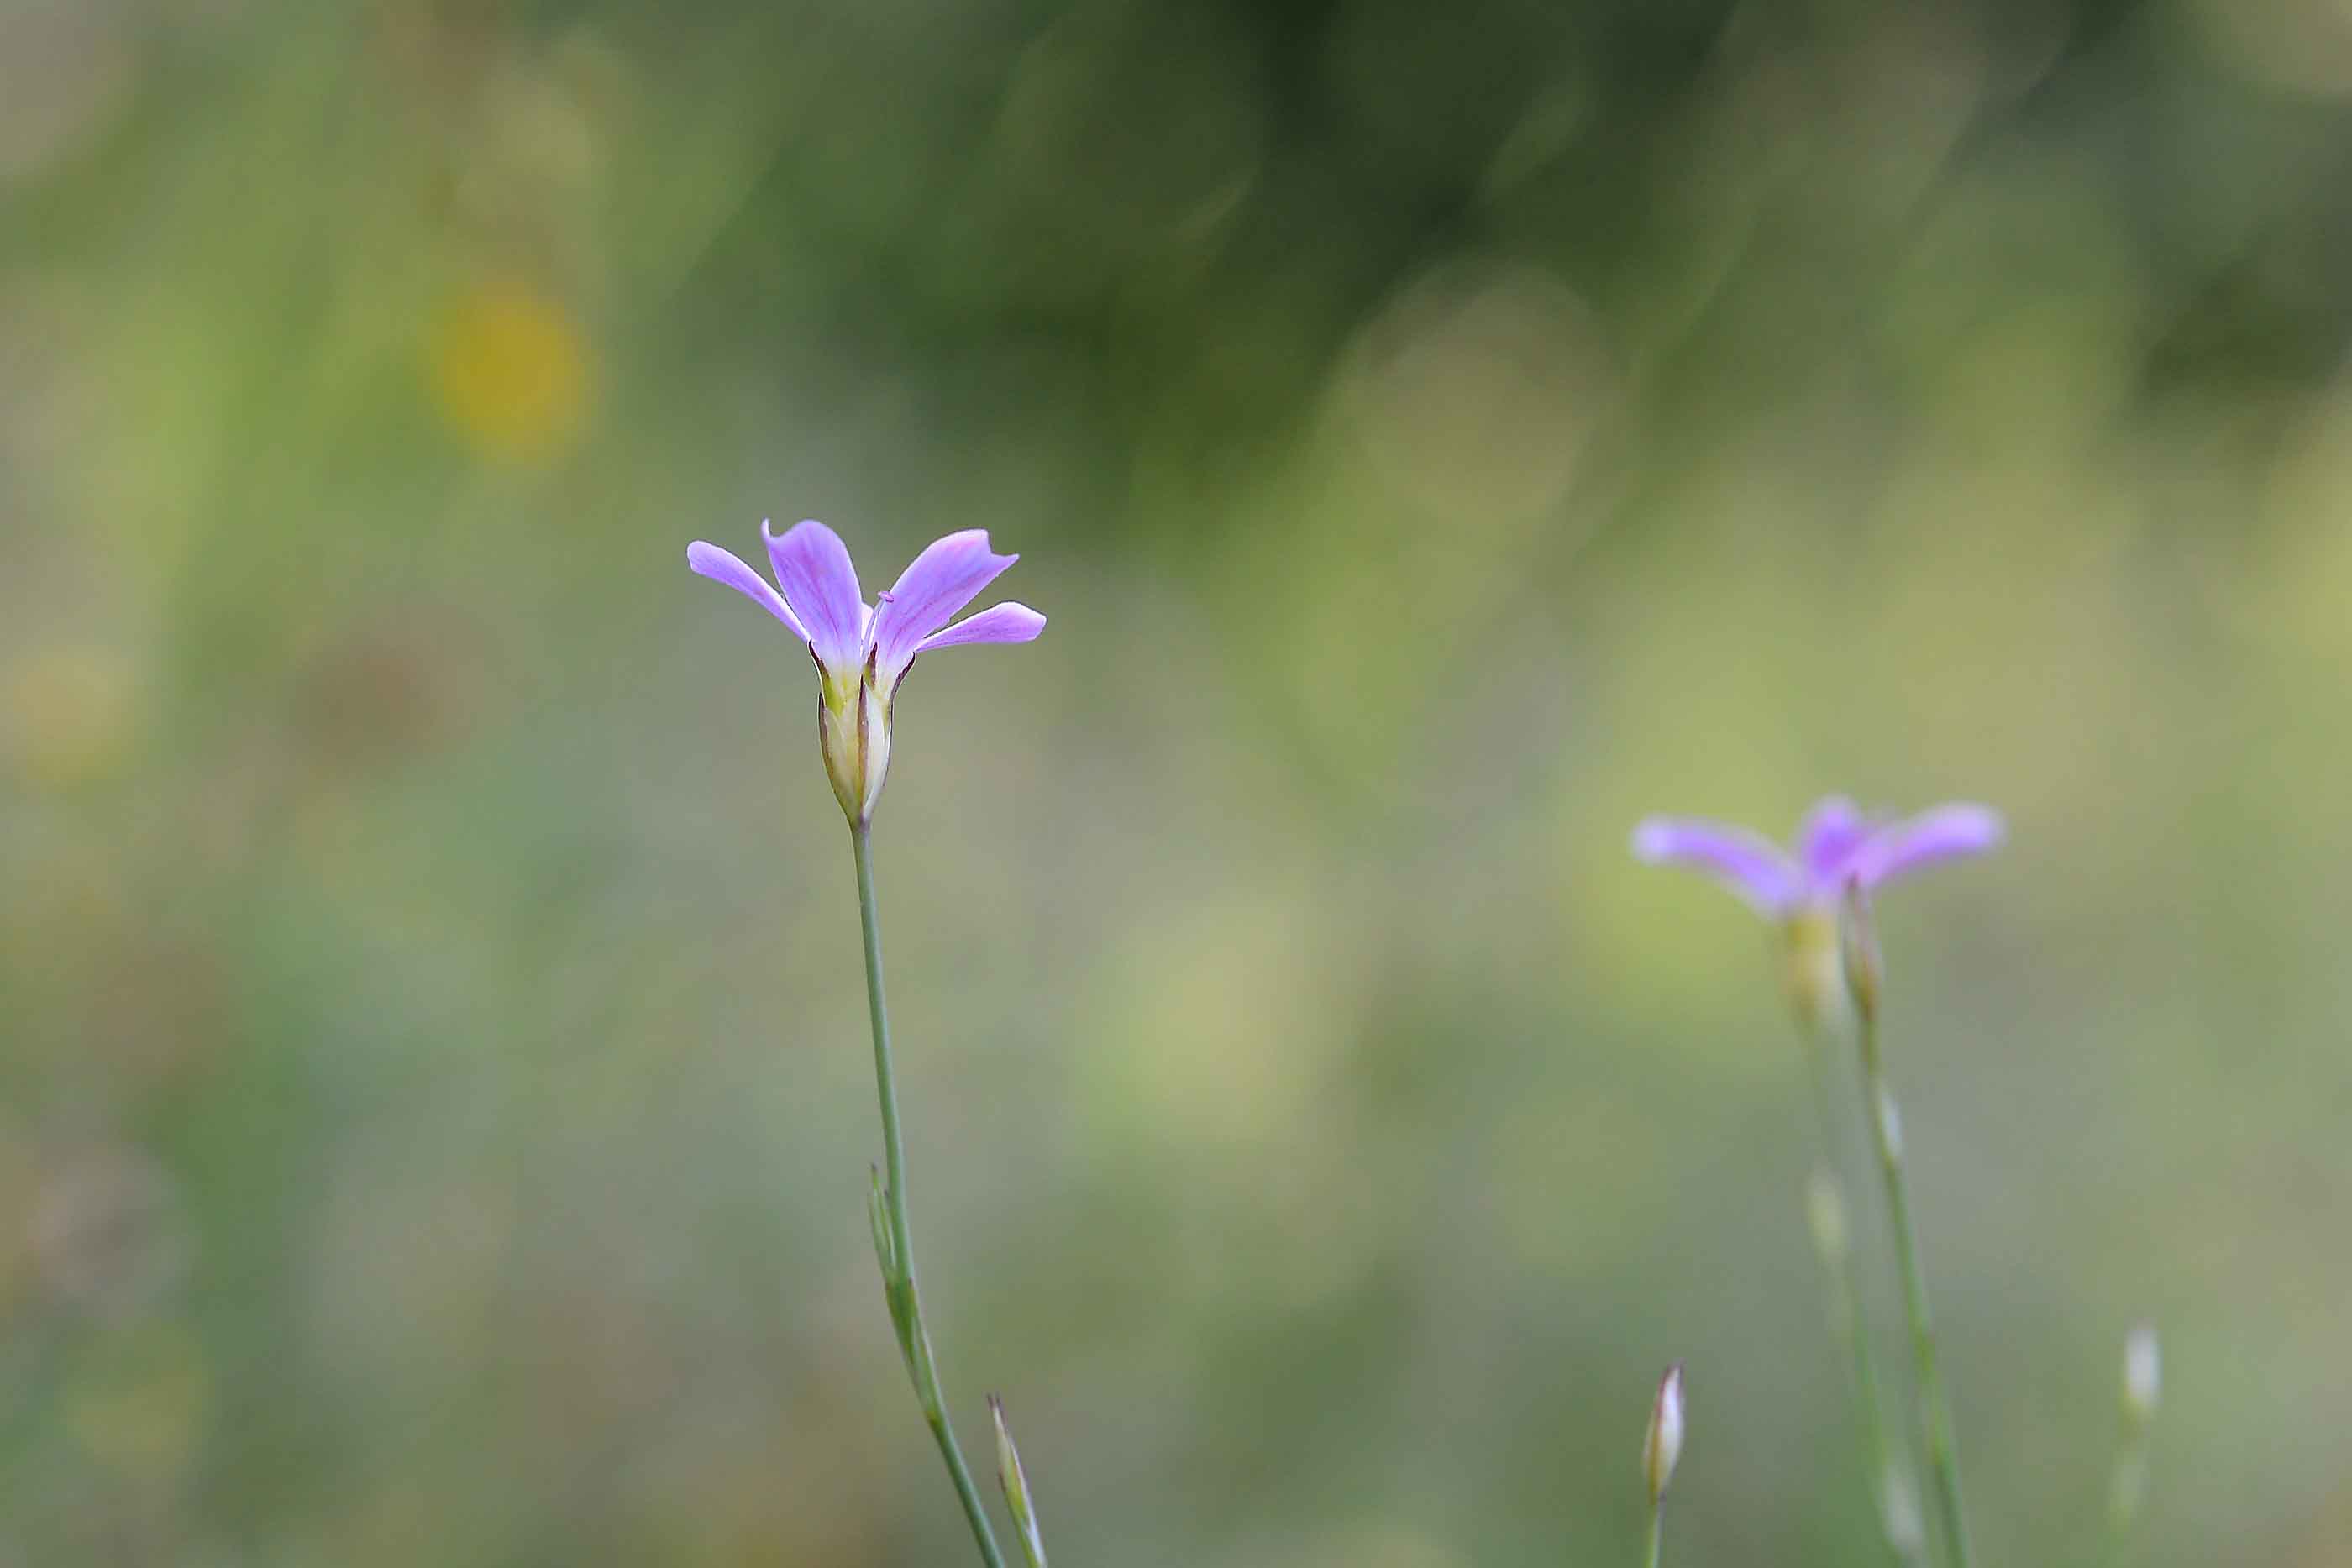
<point x="1650" y="1550"/>
<point x="898" y="1287"/>
<point x="2124" y="1489"/>
<point x="1884" y="1466"/>
<point x="1934" y="1411"/>
<point x="1881" y="1463"/>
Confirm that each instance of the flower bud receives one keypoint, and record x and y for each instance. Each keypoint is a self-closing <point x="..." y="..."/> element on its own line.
<point x="1663" y="1444"/>
<point x="1898" y="1513"/>
<point x="1015" y="1483"/>
<point x="2143" y="1373"/>
<point x="1890" y="1126"/>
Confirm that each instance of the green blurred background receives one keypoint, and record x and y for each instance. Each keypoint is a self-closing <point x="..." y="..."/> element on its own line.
<point x="434" y="1108"/>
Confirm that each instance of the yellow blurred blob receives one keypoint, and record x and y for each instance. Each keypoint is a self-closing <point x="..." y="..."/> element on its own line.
<point x="65" y="715"/>
<point x="509" y="369"/>
<point x="139" y="1405"/>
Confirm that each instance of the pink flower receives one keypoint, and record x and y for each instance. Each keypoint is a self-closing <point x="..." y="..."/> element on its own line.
<point x="862" y="652"/>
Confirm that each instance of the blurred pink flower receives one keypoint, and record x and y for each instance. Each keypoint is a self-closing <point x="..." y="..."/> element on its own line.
<point x="1836" y="844"/>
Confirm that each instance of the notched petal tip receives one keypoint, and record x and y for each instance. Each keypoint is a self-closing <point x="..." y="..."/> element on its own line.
<point x="814" y="569"/>
<point x="809" y="539"/>
<point x="935" y="586"/>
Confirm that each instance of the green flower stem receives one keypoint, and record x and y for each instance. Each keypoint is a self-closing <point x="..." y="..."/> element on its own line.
<point x="1650" y="1549"/>
<point x="1934" y="1411"/>
<point x="898" y="1262"/>
<point x="1843" y="1275"/>
<point x="2124" y="1489"/>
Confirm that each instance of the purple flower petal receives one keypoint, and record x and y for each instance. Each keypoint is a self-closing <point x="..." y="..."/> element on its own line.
<point x="941" y="581"/>
<point x="812" y="568"/>
<point x="1006" y="623"/>
<point x="1749" y="864"/>
<point x="720" y="566"/>
<point x="1831" y="831"/>
<point x="1939" y="833"/>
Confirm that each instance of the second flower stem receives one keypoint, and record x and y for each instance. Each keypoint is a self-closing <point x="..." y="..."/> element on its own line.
<point x="1885" y="1467"/>
<point x="898" y="1260"/>
<point x="1935" y="1410"/>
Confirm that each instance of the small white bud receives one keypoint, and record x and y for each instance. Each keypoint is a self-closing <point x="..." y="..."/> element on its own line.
<point x="1898" y="1513"/>
<point x="1663" y="1445"/>
<point x="1890" y="1126"/>
<point x="2143" y="1373"/>
<point x="1825" y="1216"/>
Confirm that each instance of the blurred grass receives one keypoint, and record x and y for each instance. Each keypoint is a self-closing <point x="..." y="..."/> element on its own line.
<point x="434" y="1098"/>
